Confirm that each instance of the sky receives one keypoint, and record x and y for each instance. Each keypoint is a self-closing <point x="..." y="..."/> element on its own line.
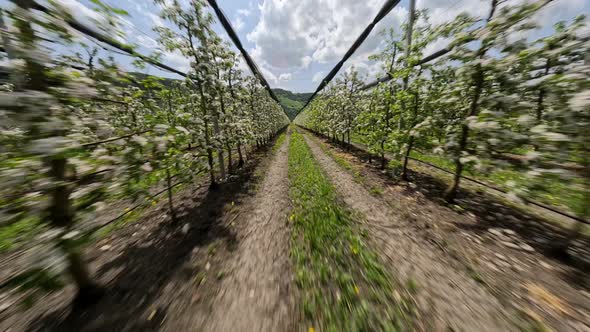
<point x="297" y="42"/>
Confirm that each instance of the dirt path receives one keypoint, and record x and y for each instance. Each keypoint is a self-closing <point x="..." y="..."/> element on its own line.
<point x="224" y="266"/>
<point x="502" y="247"/>
<point x="243" y="284"/>
<point x="447" y="296"/>
<point x="257" y="293"/>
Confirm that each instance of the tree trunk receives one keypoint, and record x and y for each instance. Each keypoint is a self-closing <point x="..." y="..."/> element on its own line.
<point x="210" y="156"/>
<point x="61" y="215"/>
<point x="229" y="158"/>
<point x="240" y="156"/>
<point x="406" y="156"/>
<point x="220" y="159"/>
<point x="411" y="141"/>
<point x="409" y="32"/>
<point x="451" y="192"/>
<point x="348" y="134"/>
<point x="478" y="80"/>
<point x="383" y="161"/>
<point x="169" y="190"/>
<point x="88" y="292"/>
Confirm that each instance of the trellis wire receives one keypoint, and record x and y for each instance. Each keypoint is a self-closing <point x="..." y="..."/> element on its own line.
<point x="387" y="7"/>
<point x="129" y="50"/>
<point x="427" y="59"/>
<point x="109" y="41"/>
<point x="234" y="37"/>
<point x="543" y="206"/>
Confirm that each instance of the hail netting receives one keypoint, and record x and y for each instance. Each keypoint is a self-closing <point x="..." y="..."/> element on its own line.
<point x="387" y="7"/>
<point x="127" y="49"/>
<point x="234" y="37"/>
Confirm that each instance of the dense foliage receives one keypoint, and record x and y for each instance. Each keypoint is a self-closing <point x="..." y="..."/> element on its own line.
<point x="73" y="140"/>
<point x="500" y="101"/>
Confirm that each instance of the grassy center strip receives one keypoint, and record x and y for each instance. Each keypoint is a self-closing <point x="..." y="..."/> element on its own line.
<point x="279" y="142"/>
<point x="343" y="285"/>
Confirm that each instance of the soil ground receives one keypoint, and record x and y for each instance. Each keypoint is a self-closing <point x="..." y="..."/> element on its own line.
<point x="223" y="266"/>
<point x="487" y="261"/>
<point x="444" y="292"/>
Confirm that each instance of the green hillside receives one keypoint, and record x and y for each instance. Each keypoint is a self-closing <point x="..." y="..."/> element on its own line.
<point x="292" y="101"/>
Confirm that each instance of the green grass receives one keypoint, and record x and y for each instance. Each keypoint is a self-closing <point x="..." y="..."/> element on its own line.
<point x="437" y="160"/>
<point x="343" y="285"/>
<point x="376" y="191"/>
<point x="279" y="142"/>
<point x="18" y="233"/>
<point x="551" y="191"/>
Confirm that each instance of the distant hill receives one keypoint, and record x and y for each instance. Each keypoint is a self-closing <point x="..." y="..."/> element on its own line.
<point x="167" y="82"/>
<point x="292" y="101"/>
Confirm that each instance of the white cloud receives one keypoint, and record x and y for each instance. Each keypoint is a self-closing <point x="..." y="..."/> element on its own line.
<point x="83" y="14"/>
<point x="285" y="77"/>
<point x="294" y="35"/>
<point x="289" y="32"/>
<point x="176" y="60"/>
<point x="268" y="75"/>
<point x="441" y="11"/>
<point x="157" y="20"/>
<point x="560" y="10"/>
<point x="244" y="12"/>
<point x="146" y="41"/>
<point x="238" y="23"/>
<point x="291" y="35"/>
<point x="306" y="61"/>
<point x="318" y="77"/>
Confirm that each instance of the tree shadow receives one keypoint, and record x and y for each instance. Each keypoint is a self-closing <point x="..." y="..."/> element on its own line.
<point x="490" y="212"/>
<point x="148" y="266"/>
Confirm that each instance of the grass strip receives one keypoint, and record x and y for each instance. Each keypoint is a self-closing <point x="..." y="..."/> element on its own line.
<point x="343" y="285"/>
<point x="279" y="142"/>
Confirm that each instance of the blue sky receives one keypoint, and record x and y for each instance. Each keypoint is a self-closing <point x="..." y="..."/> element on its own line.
<point x="296" y="42"/>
